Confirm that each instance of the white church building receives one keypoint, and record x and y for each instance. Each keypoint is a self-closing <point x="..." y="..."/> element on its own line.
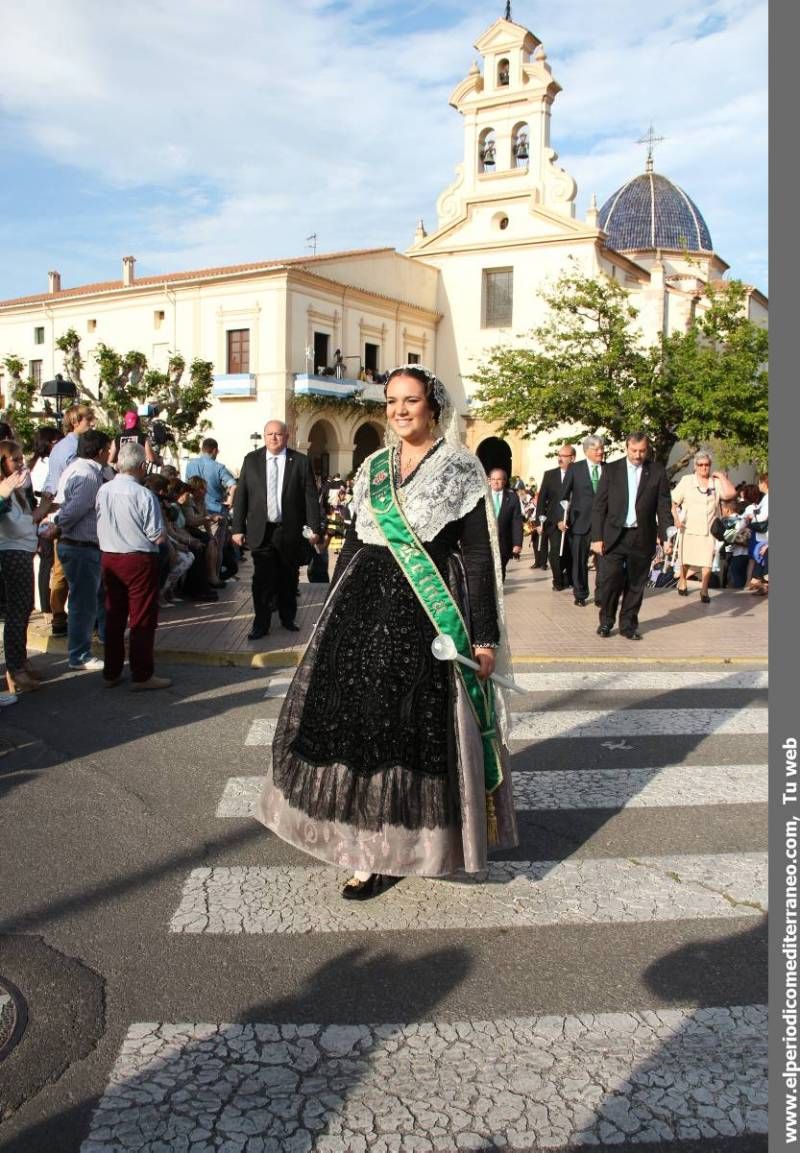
<point x="506" y="227"/>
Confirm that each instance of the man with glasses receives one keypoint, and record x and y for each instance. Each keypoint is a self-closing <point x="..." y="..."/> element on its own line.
<point x="549" y="507"/>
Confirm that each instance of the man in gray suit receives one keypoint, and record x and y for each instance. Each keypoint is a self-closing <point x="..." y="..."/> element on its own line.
<point x="579" y="487"/>
<point x="275" y="497"/>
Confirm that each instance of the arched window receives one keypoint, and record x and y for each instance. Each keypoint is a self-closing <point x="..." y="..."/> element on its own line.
<point x="503" y="73"/>
<point x="487" y="151"/>
<point x="520" y="146"/>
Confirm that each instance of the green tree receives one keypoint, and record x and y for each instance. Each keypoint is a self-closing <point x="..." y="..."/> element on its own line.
<point x="588" y="366"/>
<point x="717" y="370"/>
<point x="120" y="382"/>
<point x="182" y="405"/>
<point x="125" y="382"/>
<point x="21" y="397"/>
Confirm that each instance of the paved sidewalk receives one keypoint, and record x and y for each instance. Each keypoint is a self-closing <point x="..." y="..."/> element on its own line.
<point x="543" y="626"/>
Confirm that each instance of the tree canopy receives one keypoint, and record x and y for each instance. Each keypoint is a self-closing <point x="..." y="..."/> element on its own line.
<point x="124" y="382"/>
<point x="588" y="366"/>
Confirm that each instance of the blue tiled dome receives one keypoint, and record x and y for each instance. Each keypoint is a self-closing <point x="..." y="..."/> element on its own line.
<point x="652" y="212"/>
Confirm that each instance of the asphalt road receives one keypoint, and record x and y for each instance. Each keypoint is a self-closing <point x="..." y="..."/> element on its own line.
<point x="109" y="802"/>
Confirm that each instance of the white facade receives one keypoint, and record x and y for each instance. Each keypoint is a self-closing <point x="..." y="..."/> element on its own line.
<point x="508" y="218"/>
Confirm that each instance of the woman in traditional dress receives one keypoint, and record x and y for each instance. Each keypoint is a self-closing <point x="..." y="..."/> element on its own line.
<point x="695" y="505"/>
<point x="387" y="761"/>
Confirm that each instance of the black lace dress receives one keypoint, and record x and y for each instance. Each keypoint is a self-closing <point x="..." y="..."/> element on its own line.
<point x="374" y="764"/>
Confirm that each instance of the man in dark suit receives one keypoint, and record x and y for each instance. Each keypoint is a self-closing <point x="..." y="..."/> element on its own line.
<point x="631" y="506"/>
<point x="275" y="497"/>
<point x="580" y="485"/>
<point x="548" y="506"/>
<point x="508" y="511"/>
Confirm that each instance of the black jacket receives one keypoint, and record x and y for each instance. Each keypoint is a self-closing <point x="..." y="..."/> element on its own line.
<point x="548" y="497"/>
<point x="653" y="504"/>
<point x="577" y="489"/>
<point x="299" y="503"/>
<point x="509" y="523"/>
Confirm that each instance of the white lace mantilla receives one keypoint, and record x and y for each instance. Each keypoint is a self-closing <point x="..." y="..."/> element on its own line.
<point x="445" y="487"/>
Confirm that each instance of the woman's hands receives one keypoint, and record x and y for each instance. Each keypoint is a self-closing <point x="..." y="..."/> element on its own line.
<point x="486" y="659"/>
<point x="10" y="483"/>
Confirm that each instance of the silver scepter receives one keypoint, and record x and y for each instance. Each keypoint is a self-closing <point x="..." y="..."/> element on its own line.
<point x="565" y="509"/>
<point x="444" y="648"/>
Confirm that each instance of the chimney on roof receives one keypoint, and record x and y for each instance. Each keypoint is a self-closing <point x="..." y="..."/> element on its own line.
<point x="127" y="270"/>
<point x="53" y="282"/>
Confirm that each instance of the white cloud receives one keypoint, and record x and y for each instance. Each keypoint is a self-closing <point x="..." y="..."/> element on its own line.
<point x="251" y="125"/>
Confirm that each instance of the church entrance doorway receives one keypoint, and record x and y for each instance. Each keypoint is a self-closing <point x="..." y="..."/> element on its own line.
<point x="493" y="452"/>
<point x="367" y="440"/>
<point x="321" y="443"/>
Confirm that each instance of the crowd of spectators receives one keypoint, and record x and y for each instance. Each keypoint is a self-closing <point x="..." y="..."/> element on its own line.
<point x="47" y="509"/>
<point x="740" y="554"/>
<point x="50" y="508"/>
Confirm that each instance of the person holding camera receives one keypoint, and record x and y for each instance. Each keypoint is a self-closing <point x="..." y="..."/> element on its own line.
<point x="695" y="506"/>
<point x="132" y="433"/>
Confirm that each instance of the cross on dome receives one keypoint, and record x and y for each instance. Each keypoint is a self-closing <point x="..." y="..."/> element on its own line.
<point x="650" y="139"/>
<point x="508" y="10"/>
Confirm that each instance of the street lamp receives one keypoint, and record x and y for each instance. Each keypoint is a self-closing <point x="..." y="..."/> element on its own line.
<point x="60" y="389"/>
<point x="255" y="437"/>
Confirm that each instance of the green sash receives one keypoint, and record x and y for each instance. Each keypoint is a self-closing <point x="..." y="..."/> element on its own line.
<point x="434" y="596"/>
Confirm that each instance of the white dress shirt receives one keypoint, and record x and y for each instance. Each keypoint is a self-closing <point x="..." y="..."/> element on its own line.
<point x="634" y="476"/>
<point x="281" y="459"/>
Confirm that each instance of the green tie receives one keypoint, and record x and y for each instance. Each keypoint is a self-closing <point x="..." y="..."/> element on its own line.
<point x="498" y="497"/>
<point x="595" y="476"/>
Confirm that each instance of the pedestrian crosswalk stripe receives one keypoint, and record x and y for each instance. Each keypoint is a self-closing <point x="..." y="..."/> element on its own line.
<point x="655" y="680"/>
<point x="645" y="1075"/>
<point x="627" y="681"/>
<point x="682" y="785"/>
<point x="678" y="786"/>
<point x="303" y="899"/>
<point x="540" y="726"/>
<point x="550" y="724"/>
<point x="260" y="732"/>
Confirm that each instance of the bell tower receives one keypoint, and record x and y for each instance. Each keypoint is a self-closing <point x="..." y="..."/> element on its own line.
<point x="506" y="108"/>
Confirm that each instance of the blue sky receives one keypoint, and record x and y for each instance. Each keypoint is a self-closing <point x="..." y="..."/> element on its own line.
<point x="207" y="132"/>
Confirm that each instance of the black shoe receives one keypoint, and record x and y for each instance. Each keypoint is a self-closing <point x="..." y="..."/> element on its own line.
<point x="256" y="633"/>
<point x="581" y="603"/>
<point x="604" y="630"/>
<point x="290" y="626"/>
<point x="355" y="890"/>
<point x="705" y="598"/>
<point x="630" y="634"/>
<point x="683" y="592"/>
<point x="558" y="588"/>
<point x="57" y="630"/>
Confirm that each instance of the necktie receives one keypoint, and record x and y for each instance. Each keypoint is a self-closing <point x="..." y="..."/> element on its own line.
<point x="595" y="476"/>
<point x="273" y="508"/>
<point x="498" y="497"/>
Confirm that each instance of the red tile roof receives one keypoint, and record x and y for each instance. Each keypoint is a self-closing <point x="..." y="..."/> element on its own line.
<point x="197" y="274"/>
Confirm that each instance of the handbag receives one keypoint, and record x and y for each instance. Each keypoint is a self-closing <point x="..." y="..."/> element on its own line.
<point x="717" y="528"/>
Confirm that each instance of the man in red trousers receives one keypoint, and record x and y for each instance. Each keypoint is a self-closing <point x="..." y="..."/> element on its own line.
<point x="130" y="529"/>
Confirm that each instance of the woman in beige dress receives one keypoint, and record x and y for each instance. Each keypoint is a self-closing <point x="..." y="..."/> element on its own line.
<point x="695" y="504"/>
